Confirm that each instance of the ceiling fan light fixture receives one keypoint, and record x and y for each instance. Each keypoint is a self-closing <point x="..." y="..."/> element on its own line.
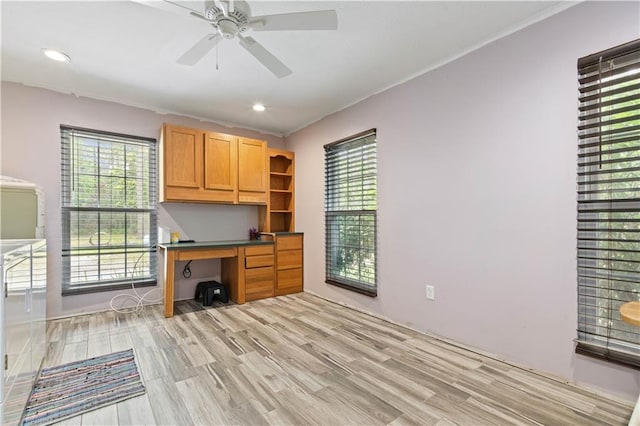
<point x="56" y="55"/>
<point x="227" y="28"/>
<point x="259" y="107"/>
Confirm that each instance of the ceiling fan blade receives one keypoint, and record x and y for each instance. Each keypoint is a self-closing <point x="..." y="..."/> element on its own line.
<point x="223" y="7"/>
<point x="168" y="6"/>
<point x="316" y="20"/>
<point x="199" y="16"/>
<point x="265" y="57"/>
<point x="201" y="48"/>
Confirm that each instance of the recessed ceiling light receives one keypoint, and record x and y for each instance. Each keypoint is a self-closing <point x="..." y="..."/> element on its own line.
<point x="258" y="107"/>
<point x="56" y="56"/>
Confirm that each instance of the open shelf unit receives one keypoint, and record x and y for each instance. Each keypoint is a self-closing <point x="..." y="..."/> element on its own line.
<point x="279" y="213"/>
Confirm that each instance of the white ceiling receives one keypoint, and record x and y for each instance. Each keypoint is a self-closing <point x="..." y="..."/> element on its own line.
<point x="126" y="52"/>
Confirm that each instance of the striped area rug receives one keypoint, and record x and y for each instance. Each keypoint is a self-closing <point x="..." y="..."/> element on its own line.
<point x="77" y="387"/>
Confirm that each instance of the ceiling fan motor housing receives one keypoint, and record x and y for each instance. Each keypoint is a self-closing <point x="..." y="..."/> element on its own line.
<point x="233" y="23"/>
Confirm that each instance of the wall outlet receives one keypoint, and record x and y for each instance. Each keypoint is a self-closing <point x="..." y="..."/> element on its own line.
<point x="431" y="292"/>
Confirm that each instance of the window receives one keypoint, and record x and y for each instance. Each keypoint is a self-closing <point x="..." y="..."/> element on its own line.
<point x="609" y="202"/>
<point x="109" y="229"/>
<point x="350" y="213"/>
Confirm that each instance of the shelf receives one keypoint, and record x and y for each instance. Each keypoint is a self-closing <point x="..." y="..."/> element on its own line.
<point x="281" y="222"/>
<point x="281" y="164"/>
<point x="278" y="215"/>
<point x="281" y="201"/>
<point x="280" y="182"/>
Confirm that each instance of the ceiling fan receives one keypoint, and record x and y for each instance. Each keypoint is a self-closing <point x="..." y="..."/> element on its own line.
<point x="231" y="19"/>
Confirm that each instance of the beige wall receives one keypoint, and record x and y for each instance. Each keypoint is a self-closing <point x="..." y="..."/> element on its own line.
<point x="476" y="195"/>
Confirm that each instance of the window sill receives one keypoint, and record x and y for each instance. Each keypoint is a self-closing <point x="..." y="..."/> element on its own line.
<point x="102" y="288"/>
<point x="608" y="354"/>
<point x="370" y="293"/>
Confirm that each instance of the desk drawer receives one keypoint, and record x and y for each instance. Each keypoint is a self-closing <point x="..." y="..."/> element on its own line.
<point x="290" y="280"/>
<point x="258" y="283"/>
<point x="258" y="261"/>
<point x="207" y="253"/>
<point x="289" y="259"/>
<point x="293" y="242"/>
<point x="257" y="250"/>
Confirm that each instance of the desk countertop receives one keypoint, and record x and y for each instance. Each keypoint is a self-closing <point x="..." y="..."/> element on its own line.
<point x="281" y="233"/>
<point x="213" y="244"/>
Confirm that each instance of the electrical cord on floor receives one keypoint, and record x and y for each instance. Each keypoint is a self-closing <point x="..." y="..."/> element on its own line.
<point x="136" y="297"/>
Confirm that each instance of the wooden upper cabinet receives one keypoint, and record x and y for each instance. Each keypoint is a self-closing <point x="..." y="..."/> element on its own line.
<point x="220" y="166"/>
<point x="252" y="171"/>
<point x="182" y="149"/>
<point x="210" y="167"/>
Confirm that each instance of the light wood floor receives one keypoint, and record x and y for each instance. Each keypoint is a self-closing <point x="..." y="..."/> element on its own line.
<point x="301" y="360"/>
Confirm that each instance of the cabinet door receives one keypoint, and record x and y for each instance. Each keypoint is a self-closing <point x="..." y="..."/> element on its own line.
<point x="252" y="165"/>
<point x="259" y="283"/>
<point x="183" y="157"/>
<point x="220" y="159"/>
<point x="289" y="281"/>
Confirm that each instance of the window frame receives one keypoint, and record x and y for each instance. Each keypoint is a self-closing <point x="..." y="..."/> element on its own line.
<point x="69" y="207"/>
<point x="362" y="214"/>
<point x="608" y="203"/>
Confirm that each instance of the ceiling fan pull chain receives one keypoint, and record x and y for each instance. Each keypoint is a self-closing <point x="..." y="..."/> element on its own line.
<point x="216" y="57"/>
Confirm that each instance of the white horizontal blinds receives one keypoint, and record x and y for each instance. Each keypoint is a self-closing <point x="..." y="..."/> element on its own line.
<point x="109" y="200"/>
<point x="609" y="202"/>
<point x="350" y="213"/>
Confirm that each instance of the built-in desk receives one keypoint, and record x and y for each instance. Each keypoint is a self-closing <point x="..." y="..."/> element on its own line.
<point x="233" y="264"/>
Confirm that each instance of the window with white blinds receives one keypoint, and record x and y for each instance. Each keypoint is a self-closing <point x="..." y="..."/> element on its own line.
<point x="350" y="213"/>
<point x="609" y="202"/>
<point x="109" y="200"/>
